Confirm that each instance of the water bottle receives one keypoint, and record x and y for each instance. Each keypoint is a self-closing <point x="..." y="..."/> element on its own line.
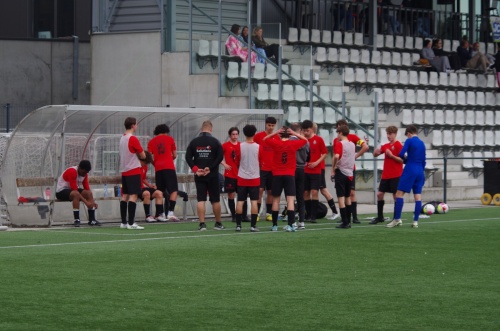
<point x="119" y="191"/>
<point x="47" y="193"/>
<point x="115" y="190"/>
<point x="105" y="190"/>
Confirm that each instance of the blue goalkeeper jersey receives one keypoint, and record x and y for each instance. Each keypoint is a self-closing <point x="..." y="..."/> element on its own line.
<point x="414" y="148"/>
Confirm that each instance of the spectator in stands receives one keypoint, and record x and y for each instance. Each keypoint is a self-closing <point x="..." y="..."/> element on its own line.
<point x="73" y="185"/>
<point x="244" y="37"/>
<point x="470" y="61"/>
<point x="235" y="48"/>
<point x="342" y="15"/>
<point x="149" y="191"/>
<point x="441" y="63"/>
<point x="475" y="50"/>
<point x="394" y="26"/>
<point x="270" y="50"/>
<point x="437" y="48"/>
<point x="497" y="66"/>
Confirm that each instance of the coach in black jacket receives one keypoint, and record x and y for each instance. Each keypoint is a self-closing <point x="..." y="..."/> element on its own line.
<point x="203" y="155"/>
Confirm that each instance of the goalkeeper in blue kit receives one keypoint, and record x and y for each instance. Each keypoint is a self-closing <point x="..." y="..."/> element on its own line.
<point x="413" y="177"/>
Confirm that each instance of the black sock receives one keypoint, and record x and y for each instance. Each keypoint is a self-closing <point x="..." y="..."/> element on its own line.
<point x="269" y="207"/>
<point x="343" y="215"/>
<point x="331" y="203"/>
<point x="131" y="212"/>
<point x="123" y="211"/>
<point x="231" y="205"/>
<point x="348" y="213"/>
<point x="171" y="206"/>
<point x="354" y="210"/>
<point x="253" y="219"/>
<point x="245" y="209"/>
<point x="159" y="209"/>
<point x="380" y="210"/>
<point x="275" y="217"/>
<point x="291" y="216"/>
<point x="314" y="208"/>
<point x="238" y="219"/>
<point x="147" y="209"/>
<point x="92" y="214"/>
<point x="76" y="214"/>
<point x="307" y="204"/>
<point x="166" y="205"/>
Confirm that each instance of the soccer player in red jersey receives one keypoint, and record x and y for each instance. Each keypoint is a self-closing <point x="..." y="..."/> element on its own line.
<point x="284" y="163"/>
<point x="364" y="147"/>
<point x="150" y="191"/>
<point x="266" y="175"/>
<point x="393" y="168"/>
<point x="343" y="173"/>
<point x="231" y="163"/>
<point x="312" y="170"/>
<point x="73" y="185"/>
<point x="164" y="151"/>
<point x="131" y="152"/>
<point x="322" y="186"/>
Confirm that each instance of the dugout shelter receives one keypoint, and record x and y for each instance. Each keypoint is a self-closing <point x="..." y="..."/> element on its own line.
<point x="53" y="138"/>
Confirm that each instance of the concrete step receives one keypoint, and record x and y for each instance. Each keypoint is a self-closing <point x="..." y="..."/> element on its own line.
<point x="452" y="175"/>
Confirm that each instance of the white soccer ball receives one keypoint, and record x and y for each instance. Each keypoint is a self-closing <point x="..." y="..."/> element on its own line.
<point x="442" y="208"/>
<point x="429" y="209"/>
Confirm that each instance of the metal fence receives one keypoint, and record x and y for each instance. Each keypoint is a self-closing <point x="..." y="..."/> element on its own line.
<point x="12" y="113"/>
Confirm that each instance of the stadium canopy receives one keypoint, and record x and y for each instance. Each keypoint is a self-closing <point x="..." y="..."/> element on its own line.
<point x="52" y="138"/>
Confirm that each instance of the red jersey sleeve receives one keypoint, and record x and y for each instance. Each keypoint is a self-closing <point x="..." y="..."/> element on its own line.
<point x="337" y="149"/>
<point x="70" y="176"/>
<point x="85" y="183"/>
<point x="134" y="146"/>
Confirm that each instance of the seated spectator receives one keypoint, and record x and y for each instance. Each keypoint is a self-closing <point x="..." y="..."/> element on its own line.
<point x="437" y="48"/>
<point x="441" y="63"/>
<point x="489" y="58"/>
<point x="497" y="67"/>
<point x="478" y="61"/>
<point x="235" y="48"/>
<point x="244" y="37"/>
<point x="342" y="15"/>
<point x="270" y="50"/>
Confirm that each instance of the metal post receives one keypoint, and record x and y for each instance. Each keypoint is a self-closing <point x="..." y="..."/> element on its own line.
<point x="373" y="23"/>
<point x="249" y="59"/>
<point x="280" y="79"/>
<point x="191" y="38"/>
<point x="445" y="164"/>
<point x="220" y="39"/>
<point x="375" y="141"/>
<point x="311" y="86"/>
<point x="7" y="119"/>
<point x="75" y="67"/>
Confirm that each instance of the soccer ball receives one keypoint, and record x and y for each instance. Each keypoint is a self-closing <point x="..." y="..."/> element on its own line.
<point x="429" y="209"/>
<point x="442" y="208"/>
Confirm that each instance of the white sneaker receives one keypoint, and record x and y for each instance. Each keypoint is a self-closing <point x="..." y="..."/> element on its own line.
<point x="301" y="225"/>
<point x="414" y="224"/>
<point x="333" y="217"/>
<point x="171" y="217"/>
<point x="134" y="227"/>
<point x="123" y="226"/>
<point x="394" y="223"/>
<point x="150" y="219"/>
<point x="161" y="218"/>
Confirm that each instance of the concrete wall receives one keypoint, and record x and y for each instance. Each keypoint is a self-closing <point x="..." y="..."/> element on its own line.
<point x="129" y="69"/>
<point x="41" y="72"/>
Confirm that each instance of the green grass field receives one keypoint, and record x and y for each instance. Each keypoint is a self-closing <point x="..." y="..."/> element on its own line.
<point x="442" y="276"/>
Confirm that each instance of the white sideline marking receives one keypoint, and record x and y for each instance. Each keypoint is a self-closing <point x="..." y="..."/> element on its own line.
<point x="222" y="234"/>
